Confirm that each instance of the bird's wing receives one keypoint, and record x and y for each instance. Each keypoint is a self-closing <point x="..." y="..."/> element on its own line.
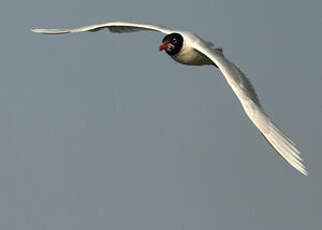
<point x="115" y="27"/>
<point x="249" y="100"/>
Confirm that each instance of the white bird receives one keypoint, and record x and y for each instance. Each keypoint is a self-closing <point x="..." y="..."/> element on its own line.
<point x="188" y="48"/>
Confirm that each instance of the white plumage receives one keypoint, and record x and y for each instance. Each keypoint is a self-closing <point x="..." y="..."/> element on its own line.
<point x="196" y="51"/>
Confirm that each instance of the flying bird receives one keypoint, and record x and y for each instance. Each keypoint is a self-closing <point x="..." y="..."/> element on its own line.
<point x="189" y="49"/>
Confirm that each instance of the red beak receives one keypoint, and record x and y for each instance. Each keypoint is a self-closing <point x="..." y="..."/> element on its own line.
<point x="163" y="46"/>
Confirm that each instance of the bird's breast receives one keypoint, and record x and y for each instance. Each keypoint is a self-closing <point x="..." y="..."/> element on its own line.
<point x="191" y="57"/>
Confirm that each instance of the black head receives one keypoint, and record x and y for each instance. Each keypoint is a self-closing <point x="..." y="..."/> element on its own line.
<point x="172" y="43"/>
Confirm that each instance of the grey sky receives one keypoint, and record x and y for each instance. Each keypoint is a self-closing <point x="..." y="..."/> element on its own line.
<point x="101" y="131"/>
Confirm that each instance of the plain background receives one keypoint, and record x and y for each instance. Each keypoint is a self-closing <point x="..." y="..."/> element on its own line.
<point x="101" y="131"/>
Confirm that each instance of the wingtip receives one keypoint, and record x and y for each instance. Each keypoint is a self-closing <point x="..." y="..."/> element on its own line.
<point x="305" y="172"/>
<point x="301" y="168"/>
<point x="298" y="165"/>
<point x="35" y="30"/>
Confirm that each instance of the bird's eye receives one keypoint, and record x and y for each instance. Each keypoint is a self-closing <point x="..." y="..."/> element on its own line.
<point x="174" y="40"/>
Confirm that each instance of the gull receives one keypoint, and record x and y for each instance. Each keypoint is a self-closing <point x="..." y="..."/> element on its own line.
<point x="189" y="49"/>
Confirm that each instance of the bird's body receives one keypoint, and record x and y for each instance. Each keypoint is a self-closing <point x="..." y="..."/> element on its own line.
<point x="189" y="49"/>
<point x="188" y="55"/>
